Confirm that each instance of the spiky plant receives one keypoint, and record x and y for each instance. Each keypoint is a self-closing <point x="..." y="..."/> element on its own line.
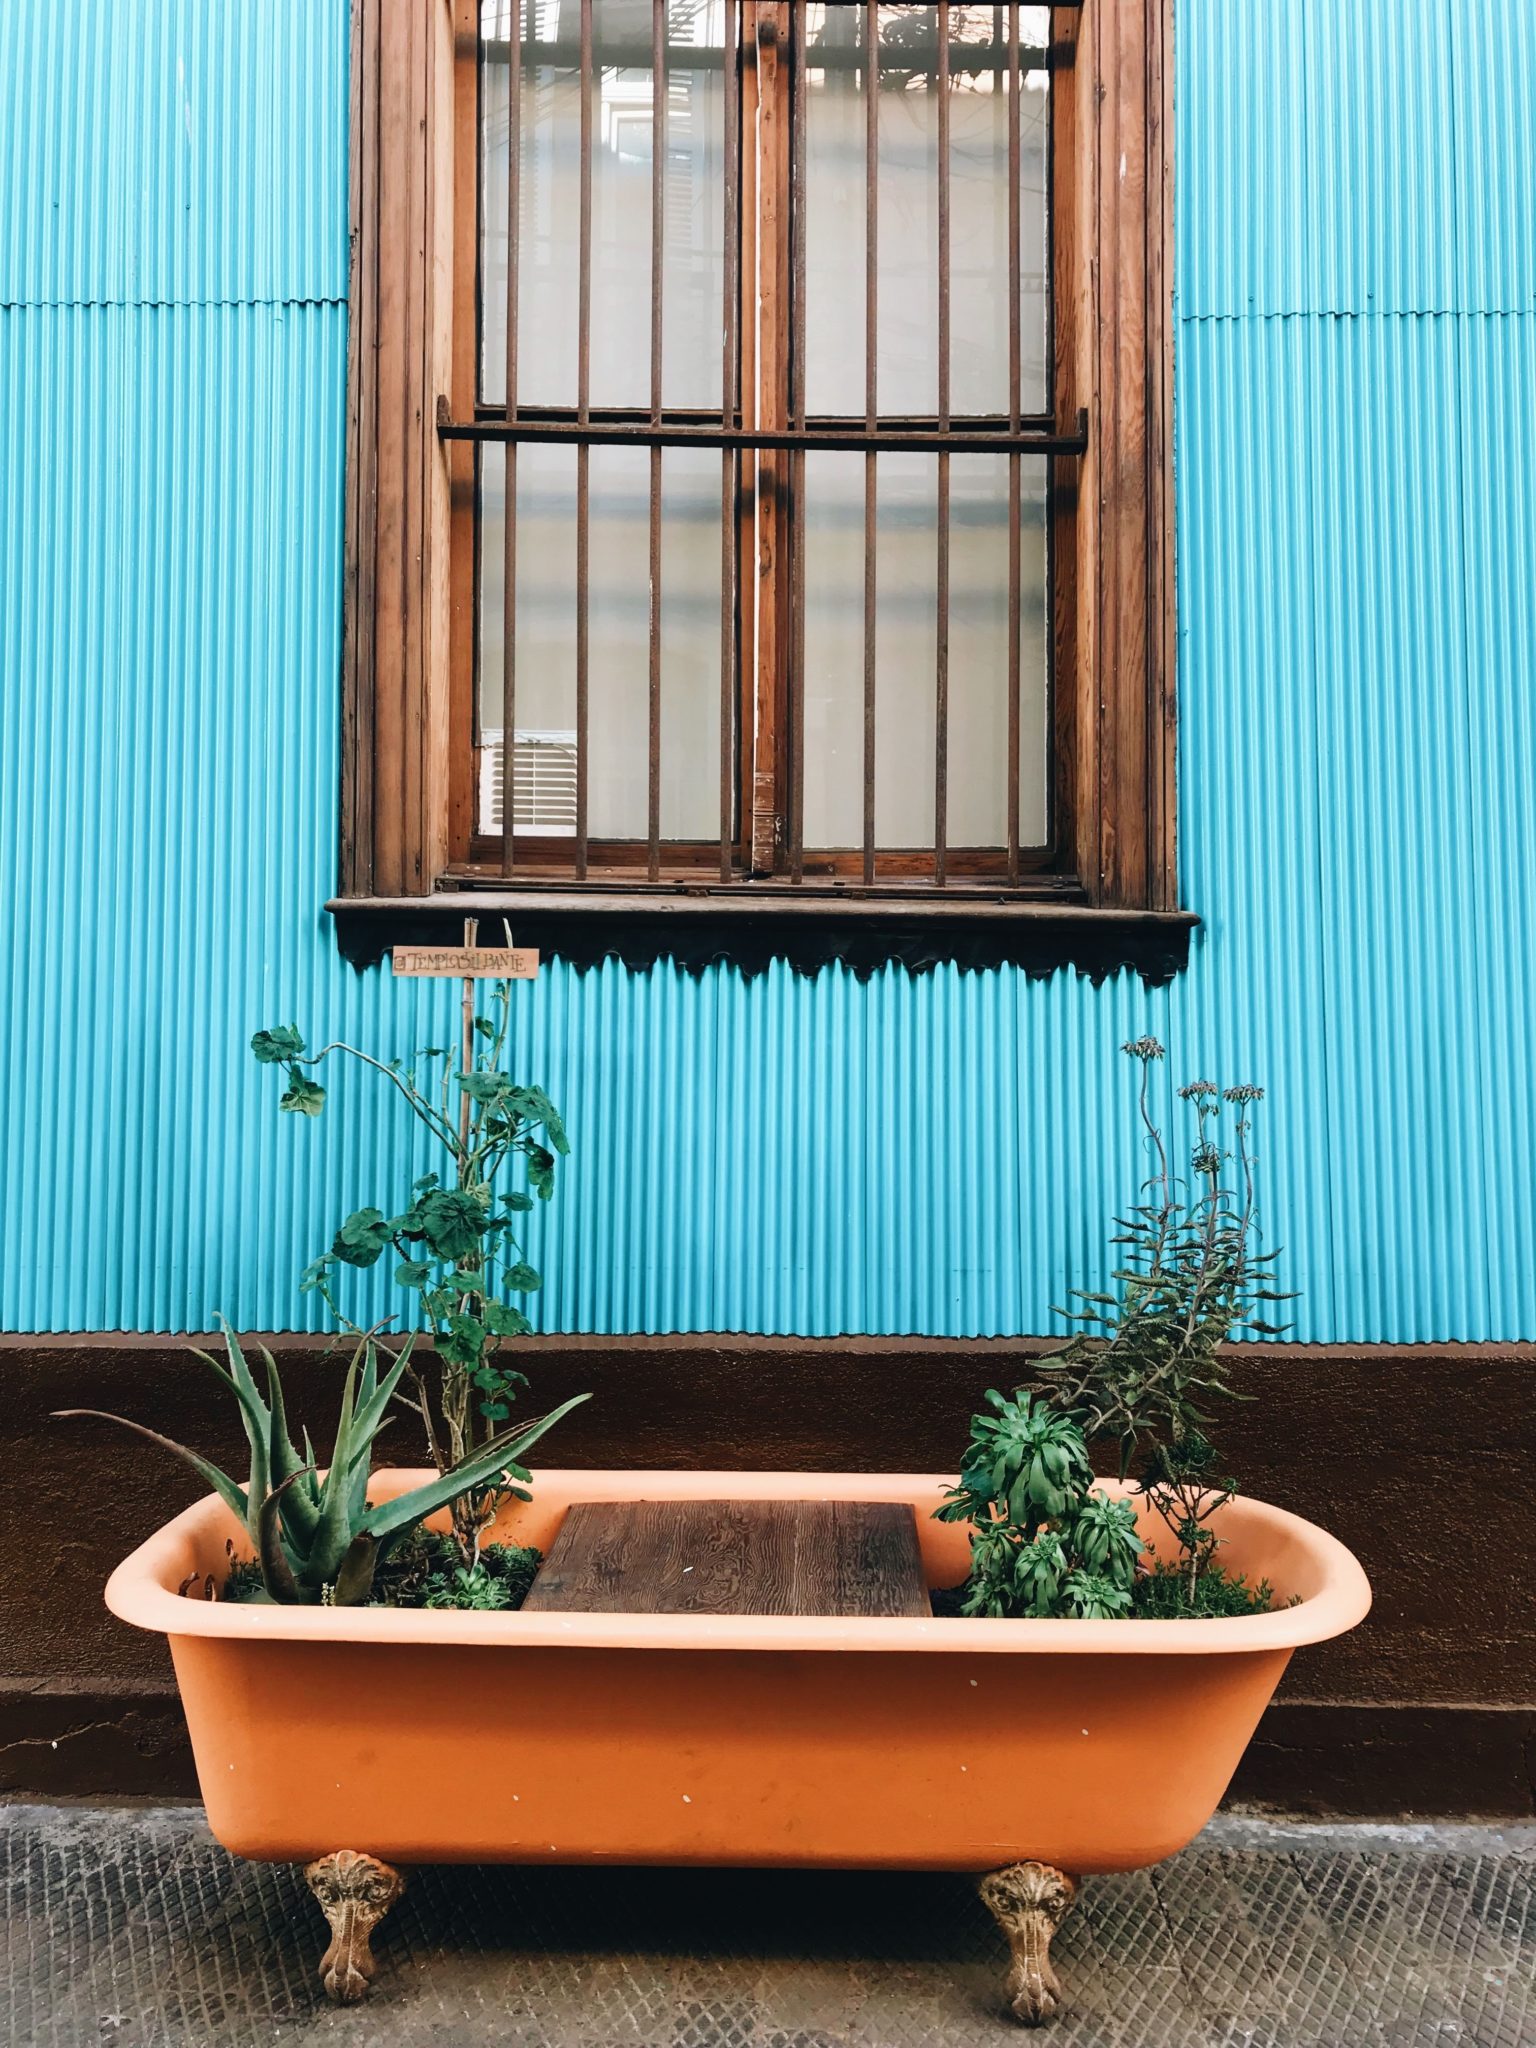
<point x="317" y="1537"/>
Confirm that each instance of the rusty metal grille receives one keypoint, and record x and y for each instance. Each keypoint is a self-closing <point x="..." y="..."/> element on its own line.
<point x="722" y="350"/>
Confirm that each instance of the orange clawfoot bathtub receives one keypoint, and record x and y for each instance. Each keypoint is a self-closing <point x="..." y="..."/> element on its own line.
<point x="427" y="1737"/>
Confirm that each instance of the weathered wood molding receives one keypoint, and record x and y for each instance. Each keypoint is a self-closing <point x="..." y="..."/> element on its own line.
<point x="1113" y="285"/>
<point x="395" y="667"/>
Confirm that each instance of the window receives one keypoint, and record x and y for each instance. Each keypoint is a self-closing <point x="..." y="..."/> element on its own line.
<point x="780" y="512"/>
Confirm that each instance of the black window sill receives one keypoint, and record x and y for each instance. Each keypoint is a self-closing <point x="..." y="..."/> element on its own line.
<point x="747" y="925"/>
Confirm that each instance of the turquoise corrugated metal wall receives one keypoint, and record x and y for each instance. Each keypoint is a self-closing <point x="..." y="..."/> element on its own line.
<point x="1357" y="510"/>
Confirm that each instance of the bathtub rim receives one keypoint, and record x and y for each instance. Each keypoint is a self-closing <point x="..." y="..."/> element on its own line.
<point x="143" y="1590"/>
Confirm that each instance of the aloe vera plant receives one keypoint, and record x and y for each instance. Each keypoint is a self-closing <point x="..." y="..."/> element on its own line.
<point x="318" y="1538"/>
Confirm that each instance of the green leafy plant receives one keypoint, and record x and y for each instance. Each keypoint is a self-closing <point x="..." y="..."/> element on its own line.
<point x="456" y="1242"/>
<point x="318" y="1539"/>
<point x="1044" y="1540"/>
<point x="1162" y="1594"/>
<point x="422" y="1569"/>
<point x="1146" y="1360"/>
<point x="470" y="1587"/>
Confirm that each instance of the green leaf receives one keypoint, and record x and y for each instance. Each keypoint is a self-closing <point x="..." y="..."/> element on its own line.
<point x="545" y="1112"/>
<point x="413" y="1273"/>
<point x="300" y="1508"/>
<point x="354" y="1576"/>
<point x="362" y="1237"/>
<point x="498" y="1458"/>
<point x="312" y="1278"/>
<point x="237" y="1379"/>
<point x="520" y="1202"/>
<point x="463" y="1340"/>
<point x="522" y="1279"/>
<point x="408" y="1223"/>
<point x="541" y="1172"/>
<point x="375" y="1395"/>
<point x="276" y="1572"/>
<point x="303" y="1096"/>
<point x="502" y="1320"/>
<point x="485" y="1087"/>
<point x="452" y="1221"/>
<point x="281" y="1043"/>
<point x="232" y="1495"/>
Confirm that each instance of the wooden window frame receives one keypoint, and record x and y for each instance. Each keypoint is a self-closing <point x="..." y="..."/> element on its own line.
<point x="409" y="584"/>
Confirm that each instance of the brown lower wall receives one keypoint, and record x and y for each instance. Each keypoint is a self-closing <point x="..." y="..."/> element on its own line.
<point x="1417" y="1457"/>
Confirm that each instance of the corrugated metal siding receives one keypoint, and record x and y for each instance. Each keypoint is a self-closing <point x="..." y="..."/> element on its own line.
<point x="1357" y="511"/>
<point x="169" y="151"/>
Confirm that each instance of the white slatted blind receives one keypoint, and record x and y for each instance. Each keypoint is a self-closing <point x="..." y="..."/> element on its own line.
<point x="543" y="783"/>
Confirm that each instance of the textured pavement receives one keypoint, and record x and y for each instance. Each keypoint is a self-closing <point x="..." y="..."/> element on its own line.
<point x="130" y="1927"/>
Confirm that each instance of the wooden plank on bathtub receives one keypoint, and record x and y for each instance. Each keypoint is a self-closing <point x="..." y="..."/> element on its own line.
<point x="734" y="1557"/>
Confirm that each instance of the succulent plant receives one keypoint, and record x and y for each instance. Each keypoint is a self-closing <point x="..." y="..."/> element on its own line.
<point x="318" y="1538"/>
<point x="1090" y="1596"/>
<point x="1028" y="1458"/>
<point x="1044" y="1541"/>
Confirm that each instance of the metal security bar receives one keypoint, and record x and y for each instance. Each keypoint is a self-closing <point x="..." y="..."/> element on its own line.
<point x="764" y="430"/>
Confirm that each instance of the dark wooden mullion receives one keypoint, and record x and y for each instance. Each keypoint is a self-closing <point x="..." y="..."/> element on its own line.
<point x="1071" y="176"/>
<point x="1015" y="380"/>
<point x="797" y="505"/>
<point x="658" y="325"/>
<point x="769" y="311"/>
<point x="941" y="636"/>
<point x="583" y="452"/>
<point x="871" y="408"/>
<point x="509" y="517"/>
<point x="730" y="676"/>
<point x="460" y="686"/>
<point x="748" y="412"/>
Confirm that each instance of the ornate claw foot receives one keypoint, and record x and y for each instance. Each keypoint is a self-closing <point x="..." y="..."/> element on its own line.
<point x="1029" y="1901"/>
<point x="354" y="1892"/>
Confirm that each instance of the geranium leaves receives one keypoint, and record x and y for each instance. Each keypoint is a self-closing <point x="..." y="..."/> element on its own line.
<point x="503" y="1320"/>
<point x="451" y="1221"/>
<point x="457" y="1253"/>
<point x="302" y="1095"/>
<point x="362" y="1237"/>
<point x="283" y="1045"/>
<point x="282" y="1042"/>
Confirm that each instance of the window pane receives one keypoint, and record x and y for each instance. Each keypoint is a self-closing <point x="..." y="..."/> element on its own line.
<point x="908" y="270"/>
<point x="619" y="641"/>
<point x="906" y="651"/>
<point x="623" y="129"/>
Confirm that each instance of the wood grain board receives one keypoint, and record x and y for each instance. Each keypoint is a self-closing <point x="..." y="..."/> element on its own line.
<point x="734" y="1557"/>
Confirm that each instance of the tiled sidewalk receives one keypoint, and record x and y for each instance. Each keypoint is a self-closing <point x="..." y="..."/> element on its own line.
<point x="129" y="1927"/>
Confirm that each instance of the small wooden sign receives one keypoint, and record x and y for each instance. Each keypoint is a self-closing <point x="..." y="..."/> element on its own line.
<point x="479" y="963"/>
